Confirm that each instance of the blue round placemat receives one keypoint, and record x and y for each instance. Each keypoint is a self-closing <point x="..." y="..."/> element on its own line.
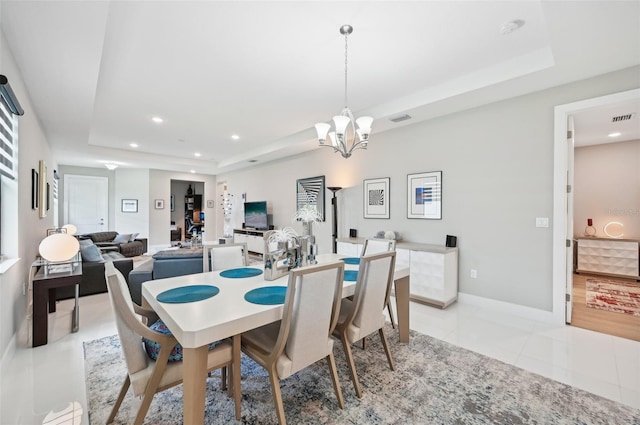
<point x="351" y="260"/>
<point x="241" y="272"/>
<point x="267" y="295"/>
<point x="188" y="294"/>
<point x="351" y="275"/>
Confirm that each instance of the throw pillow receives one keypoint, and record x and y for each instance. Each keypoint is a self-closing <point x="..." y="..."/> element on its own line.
<point x="91" y="254"/>
<point x="85" y="243"/>
<point x="153" y="348"/>
<point x="134" y="236"/>
<point x="122" y="238"/>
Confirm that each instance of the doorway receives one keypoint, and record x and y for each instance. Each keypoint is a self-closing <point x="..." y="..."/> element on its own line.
<point x="563" y="279"/>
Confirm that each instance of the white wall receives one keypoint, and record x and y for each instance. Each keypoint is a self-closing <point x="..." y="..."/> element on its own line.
<point x="133" y="184"/>
<point x="497" y="164"/>
<point x="607" y="187"/>
<point x="33" y="147"/>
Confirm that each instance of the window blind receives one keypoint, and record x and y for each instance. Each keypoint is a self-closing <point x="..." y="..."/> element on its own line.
<point x="8" y="141"/>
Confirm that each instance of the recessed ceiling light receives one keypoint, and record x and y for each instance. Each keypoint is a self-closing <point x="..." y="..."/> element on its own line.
<point x="133" y="145"/>
<point x="511" y="26"/>
<point x="198" y="154"/>
<point x="193" y="171"/>
<point x="616" y="134"/>
<point x="157" y="120"/>
<point x="235" y="136"/>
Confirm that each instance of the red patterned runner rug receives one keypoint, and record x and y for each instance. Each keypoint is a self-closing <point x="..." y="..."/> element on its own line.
<point x="614" y="295"/>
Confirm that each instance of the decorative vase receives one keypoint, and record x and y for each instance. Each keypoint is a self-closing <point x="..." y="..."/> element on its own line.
<point x="307" y="228"/>
<point x="589" y="230"/>
<point x="190" y="191"/>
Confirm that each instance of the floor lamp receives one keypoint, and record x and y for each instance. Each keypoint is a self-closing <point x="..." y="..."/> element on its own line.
<point x="334" y="204"/>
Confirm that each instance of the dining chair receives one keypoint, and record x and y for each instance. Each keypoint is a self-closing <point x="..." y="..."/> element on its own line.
<point x="374" y="246"/>
<point x="363" y="315"/>
<point x="303" y="336"/>
<point x="147" y="376"/>
<point x="224" y="256"/>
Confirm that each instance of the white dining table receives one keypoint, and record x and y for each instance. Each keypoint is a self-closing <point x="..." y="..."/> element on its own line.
<point x="228" y="315"/>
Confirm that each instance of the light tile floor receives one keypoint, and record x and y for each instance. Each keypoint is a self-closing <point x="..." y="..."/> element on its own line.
<point x="42" y="385"/>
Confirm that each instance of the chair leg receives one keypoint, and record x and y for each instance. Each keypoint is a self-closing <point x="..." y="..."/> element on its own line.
<point x="364" y="343"/>
<point x="352" y="366"/>
<point x="334" y="378"/>
<point x="147" y="398"/>
<point x="385" y="344"/>
<point x="116" y="407"/>
<point x="234" y="376"/>
<point x="223" y="378"/>
<point x="393" y="320"/>
<point x="277" y="395"/>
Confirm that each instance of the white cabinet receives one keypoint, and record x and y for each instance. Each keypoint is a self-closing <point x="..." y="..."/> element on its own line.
<point x="433" y="269"/>
<point x="615" y="257"/>
<point x="253" y="239"/>
<point x="352" y="249"/>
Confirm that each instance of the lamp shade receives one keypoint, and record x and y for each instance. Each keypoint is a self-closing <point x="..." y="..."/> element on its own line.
<point x="71" y="229"/>
<point x="341" y="122"/>
<point x="59" y="247"/>
<point x="322" y="129"/>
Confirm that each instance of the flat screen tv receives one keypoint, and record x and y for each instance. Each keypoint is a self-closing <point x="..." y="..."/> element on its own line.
<point x="255" y="215"/>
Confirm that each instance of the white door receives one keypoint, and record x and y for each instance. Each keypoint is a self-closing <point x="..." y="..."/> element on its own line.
<point x="569" y="266"/>
<point x="86" y="203"/>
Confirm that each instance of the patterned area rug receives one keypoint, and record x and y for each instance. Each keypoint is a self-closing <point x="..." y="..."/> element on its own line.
<point x="434" y="383"/>
<point x="614" y="295"/>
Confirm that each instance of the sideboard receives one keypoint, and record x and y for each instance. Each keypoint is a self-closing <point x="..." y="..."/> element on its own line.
<point x="433" y="269"/>
<point x="607" y="256"/>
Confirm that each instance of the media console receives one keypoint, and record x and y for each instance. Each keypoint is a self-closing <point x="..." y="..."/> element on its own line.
<point x="253" y="238"/>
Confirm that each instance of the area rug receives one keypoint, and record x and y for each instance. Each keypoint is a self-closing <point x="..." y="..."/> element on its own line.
<point x="614" y="295"/>
<point x="434" y="383"/>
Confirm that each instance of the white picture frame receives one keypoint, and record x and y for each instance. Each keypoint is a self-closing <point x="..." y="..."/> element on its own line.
<point x="424" y="195"/>
<point x="376" y="197"/>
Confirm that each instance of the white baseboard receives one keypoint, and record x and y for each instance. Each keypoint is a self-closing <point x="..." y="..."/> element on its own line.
<point x="509" y="308"/>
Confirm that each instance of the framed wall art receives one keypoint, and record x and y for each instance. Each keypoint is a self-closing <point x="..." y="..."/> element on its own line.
<point x="159" y="204"/>
<point x="310" y="191"/>
<point x="424" y="195"/>
<point x="34" y="189"/>
<point x="42" y="189"/>
<point x="130" y="205"/>
<point x="376" y="197"/>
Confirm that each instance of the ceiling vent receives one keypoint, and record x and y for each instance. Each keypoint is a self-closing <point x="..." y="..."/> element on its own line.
<point x="622" y="117"/>
<point x="400" y="118"/>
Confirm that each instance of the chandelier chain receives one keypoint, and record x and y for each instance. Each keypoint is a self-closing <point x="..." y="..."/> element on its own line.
<point x="346" y="37"/>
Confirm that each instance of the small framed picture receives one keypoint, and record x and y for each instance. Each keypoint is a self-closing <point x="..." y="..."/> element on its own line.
<point x="376" y="198"/>
<point x="130" y="205"/>
<point x="159" y="204"/>
<point x="424" y="195"/>
<point x="210" y="203"/>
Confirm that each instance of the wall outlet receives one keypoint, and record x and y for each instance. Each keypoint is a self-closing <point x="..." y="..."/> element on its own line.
<point x="473" y="273"/>
<point x="542" y="221"/>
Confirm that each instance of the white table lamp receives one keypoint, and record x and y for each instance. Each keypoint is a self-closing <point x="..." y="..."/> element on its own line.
<point x="59" y="247"/>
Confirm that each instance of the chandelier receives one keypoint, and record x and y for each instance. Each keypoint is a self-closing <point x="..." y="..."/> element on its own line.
<point x="345" y="138"/>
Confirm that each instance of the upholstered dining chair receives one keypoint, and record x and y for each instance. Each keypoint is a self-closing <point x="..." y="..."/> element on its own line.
<point x="363" y="315"/>
<point x="147" y="376"/>
<point x="374" y="246"/>
<point x="303" y="336"/>
<point x="225" y="256"/>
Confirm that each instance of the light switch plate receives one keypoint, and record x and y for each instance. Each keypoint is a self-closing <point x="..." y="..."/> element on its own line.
<point x="542" y="221"/>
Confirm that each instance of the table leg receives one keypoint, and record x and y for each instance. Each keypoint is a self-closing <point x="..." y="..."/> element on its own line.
<point x="194" y="384"/>
<point x="75" y="319"/>
<point x="52" y="300"/>
<point x="402" y="307"/>
<point x="40" y="318"/>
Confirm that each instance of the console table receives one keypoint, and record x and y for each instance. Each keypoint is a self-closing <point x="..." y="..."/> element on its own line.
<point x="433" y="269"/>
<point x="45" y="282"/>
